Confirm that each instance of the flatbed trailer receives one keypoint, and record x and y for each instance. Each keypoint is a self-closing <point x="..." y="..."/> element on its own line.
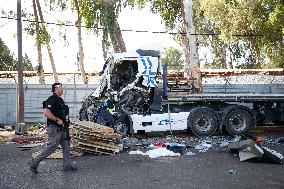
<point x="246" y="98"/>
<point x="144" y="100"/>
<point x="205" y="113"/>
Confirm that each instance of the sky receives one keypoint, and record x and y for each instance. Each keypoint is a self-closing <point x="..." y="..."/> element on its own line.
<point x="65" y="53"/>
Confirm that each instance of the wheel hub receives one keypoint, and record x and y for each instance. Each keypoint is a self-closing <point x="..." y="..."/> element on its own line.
<point x="238" y="123"/>
<point x="203" y="124"/>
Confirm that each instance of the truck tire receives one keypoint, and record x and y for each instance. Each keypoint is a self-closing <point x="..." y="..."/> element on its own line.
<point x="202" y="121"/>
<point x="238" y="122"/>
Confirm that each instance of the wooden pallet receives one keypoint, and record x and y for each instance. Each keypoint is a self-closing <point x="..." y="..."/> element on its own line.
<point x="95" y="130"/>
<point x="91" y="126"/>
<point x="97" y="148"/>
<point x="112" y="136"/>
<point x="95" y="151"/>
<point x="96" y="135"/>
<point x="90" y="137"/>
<point x="98" y="143"/>
<point x="94" y="138"/>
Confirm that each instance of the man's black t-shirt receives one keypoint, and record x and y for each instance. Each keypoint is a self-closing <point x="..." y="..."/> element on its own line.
<point x="57" y="106"/>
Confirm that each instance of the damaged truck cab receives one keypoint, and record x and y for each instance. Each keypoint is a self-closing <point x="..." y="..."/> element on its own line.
<point x="134" y="96"/>
<point x="127" y="85"/>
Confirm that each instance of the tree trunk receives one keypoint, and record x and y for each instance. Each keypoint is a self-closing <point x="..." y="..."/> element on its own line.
<point x="81" y="50"/>
<point x="192" y="67"/>
<point x="185" y="45"/>
<point x="185" y="42"/>
<point x="114" y="41"/>
<point x="40" y="70"/>
<point x="47" y="43"/>
<point x="118" y="37"/>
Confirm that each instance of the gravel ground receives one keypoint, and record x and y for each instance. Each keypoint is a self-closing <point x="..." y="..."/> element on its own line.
<point x="209" y="169"/>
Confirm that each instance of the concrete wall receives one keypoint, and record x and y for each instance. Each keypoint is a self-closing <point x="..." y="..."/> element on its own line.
<point x="35" y="94"/>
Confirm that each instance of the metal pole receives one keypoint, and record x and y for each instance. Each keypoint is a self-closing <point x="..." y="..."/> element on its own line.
<point x="75" y="96"/>
<point x="20" y="71"/>
<point x="165" y="82"/>
<point x="169" y="116"/>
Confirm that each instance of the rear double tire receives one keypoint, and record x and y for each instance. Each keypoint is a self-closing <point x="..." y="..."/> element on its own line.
<point x="238" y="121"/>
<point x="202" y="121"/>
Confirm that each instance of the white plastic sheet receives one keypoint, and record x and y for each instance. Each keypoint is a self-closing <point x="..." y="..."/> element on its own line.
<point x="155" y="153"/>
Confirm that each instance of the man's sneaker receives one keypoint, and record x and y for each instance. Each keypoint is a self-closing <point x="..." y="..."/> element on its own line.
<point x="69" y="168"/>
<point x="33" y="169"/>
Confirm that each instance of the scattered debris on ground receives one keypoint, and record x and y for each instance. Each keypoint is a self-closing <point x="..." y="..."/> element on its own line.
<point x="36" y="134"/>
<point x="250" y="150"/>
<point x="191" y="146"/>
<point x="92" y="138"/>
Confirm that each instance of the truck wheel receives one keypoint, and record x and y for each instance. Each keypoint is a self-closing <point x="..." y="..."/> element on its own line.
<point x="238" y="122"/>
<point x="202" y="121"/>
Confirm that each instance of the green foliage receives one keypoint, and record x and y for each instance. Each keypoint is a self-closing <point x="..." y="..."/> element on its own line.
<point x="100" y="16"/>
<point x="170" y="11"/>
<point x="44" y="37"/>
<point x="53" y="4"/>
<point x="6" y="58"/>
<point x="27" y="64"/>
<point x="136" y="3"/>
<point x="173" y="58"/>
<point x="7" y="61"/>
<point x="260" y="24"/>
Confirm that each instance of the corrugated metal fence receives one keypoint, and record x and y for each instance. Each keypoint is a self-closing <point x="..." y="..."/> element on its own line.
<point x="35" y="94"/>
<point x="73" y="95"/>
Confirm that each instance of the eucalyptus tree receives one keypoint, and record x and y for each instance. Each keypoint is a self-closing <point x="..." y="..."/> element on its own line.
<point x="6" y="58"/>
<point x="46" y="39"/>
<point x="178" y="14"/>
<point x="256" y="26"/>
<point x="208" y="38"/>
<point x="40" y="69"/>
<point x="81" y="50"/>
<point x="9" y="63"/>
<point x="101" y="16"/>
<point x="173" y="58"/>
<point x="31" y="29"/>
<point x="192" y="67"/>
<point x="64" y="5"/>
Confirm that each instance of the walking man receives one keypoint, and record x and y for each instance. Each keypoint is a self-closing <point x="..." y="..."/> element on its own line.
<point x="56" y="111"/>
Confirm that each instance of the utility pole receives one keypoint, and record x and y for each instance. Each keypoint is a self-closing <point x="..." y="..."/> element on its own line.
<point x="20" y="129"/>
